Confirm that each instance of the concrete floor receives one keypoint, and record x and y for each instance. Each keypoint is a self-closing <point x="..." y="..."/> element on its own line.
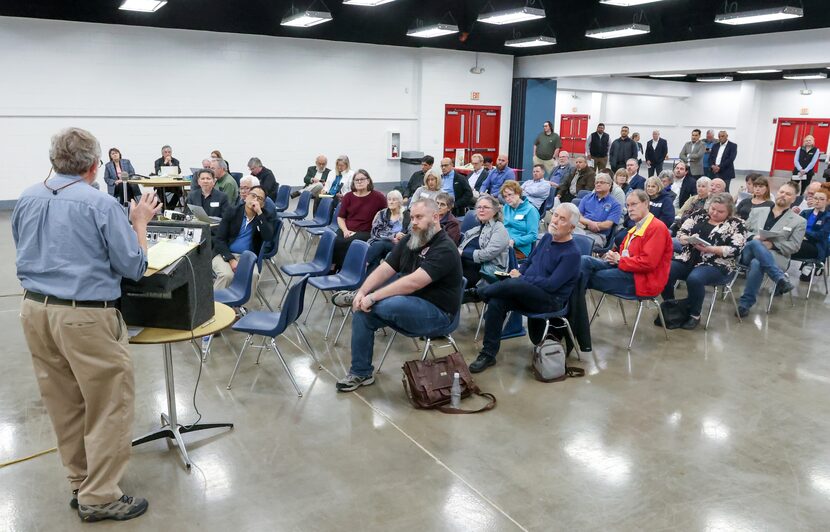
<point x="718" y="430"/>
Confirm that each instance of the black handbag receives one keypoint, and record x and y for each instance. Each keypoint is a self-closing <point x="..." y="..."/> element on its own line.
<point x="675" y="312"/>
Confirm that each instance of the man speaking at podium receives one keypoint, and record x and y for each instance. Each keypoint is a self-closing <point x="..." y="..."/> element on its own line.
<point x="74" y="244"/>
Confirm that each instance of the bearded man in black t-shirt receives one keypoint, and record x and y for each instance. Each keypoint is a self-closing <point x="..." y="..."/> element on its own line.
<point x="422" y="300"/>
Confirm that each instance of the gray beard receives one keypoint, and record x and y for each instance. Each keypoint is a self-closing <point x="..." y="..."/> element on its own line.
<point x="417" y="239"/>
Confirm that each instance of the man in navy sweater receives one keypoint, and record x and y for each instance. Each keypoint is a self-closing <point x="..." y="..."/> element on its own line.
<point x="543" y="283"/>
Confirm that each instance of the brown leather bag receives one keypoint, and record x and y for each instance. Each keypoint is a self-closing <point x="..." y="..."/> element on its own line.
<point x="427" y="383"/>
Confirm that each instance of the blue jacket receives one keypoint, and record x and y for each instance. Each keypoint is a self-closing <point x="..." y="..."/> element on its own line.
<point x="495" y="179"/>
<point x="662" y="207"/>
<point x="818" y="233"/>
<point x="553" y="267"/>
<point x="637" y="182"/>
<point x="110" y="177"/>
<point x="522" y="225"/>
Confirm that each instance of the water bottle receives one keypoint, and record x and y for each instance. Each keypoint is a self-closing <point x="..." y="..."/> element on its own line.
<point x="455" y="391"/>
<point x="205" y="344"/>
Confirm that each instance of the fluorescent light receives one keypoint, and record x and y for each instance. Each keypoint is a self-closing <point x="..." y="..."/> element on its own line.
<point x="806" y="75"/>
<point x="511" y="16"/>
<point x="760" y="15"/>
<point x="615" y="32"/>
<point x="305" y="19"/>
<point x="667" y="75"/>
<point x="759" y="71"/>
<point x="530" y="42"/>
<point x="369" y="3"/>
<point x="627" y="3"/>
<point x="713" y="79"/>
<point x="145" y="6"/>
<point x="436" y="30"/>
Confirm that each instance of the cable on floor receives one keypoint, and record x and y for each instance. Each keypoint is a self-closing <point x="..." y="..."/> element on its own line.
<point x="18" y="460"/>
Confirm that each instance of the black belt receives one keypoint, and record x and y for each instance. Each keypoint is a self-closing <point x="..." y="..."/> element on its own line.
<point x="52" y="300"/>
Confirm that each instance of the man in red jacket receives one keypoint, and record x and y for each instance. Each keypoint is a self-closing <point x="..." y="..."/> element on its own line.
<point x="640" y="266"/>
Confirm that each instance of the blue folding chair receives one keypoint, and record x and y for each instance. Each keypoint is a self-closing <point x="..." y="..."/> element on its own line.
<point x="283" y="197"/>
<point x="273" y="324"/>
<point x="267" y="254"/>
<point x="237" y="294"/>
<point x="350" y="277"/>
<point x="640" y="302"/>
<point x="443" y="333"/>
<point x="299" y="212"/>
<point x="320" y="265"/>
<point x="548" y="204"/>
<point x="469" y="221"/>
<point x="584" y="243"/>
<point x="317" y="231"/>
<point x="237" y="176"/>
<point x="322" y="217"/>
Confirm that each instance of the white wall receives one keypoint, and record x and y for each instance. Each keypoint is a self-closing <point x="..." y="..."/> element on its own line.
<point x="284" y="100"/>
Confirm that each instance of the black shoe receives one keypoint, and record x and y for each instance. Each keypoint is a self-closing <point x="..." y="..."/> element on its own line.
<point x="481" y="363"/>
<point x="295" y="194"/>
<point x="742" y="312"/>
<point x="73" y="502"/>
<point x="658" y="322"/>
<point x="691" y="324"/>
<point x="471" y="296"/>
<point x="783" y="286"/>
<point x="804" y="278"/>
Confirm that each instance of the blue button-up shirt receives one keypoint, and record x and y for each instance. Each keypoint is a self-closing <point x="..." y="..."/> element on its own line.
<point x="495" y="179"/>
<point x="76" y="244"/>
<point x="446" y="183"/>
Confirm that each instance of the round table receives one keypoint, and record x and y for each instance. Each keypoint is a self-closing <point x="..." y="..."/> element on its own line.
<point x="170" y="427"/>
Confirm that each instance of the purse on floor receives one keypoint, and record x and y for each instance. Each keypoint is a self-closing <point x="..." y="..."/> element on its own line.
<point x="550" y="362"/>
<point x="428" y="383"/>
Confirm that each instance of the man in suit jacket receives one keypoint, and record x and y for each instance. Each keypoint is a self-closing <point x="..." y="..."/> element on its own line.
<point x="456" y="184"/>
<point x="770" y="253"/>
<point x="315" y="177"/>
<point x="722" y="158"/>
<point x="693" y="153"/>
<point x="657" y="150"/>
<point x="417" y="179"/>
<point x="622" y="150"/>
<point x="266" y="177"/>
<point x="563" y="169"/>
<point x="683" y="186"/>
<point x="635" y="180"/>
<point x="478" y="175"/>
<point x="581" y="179"/>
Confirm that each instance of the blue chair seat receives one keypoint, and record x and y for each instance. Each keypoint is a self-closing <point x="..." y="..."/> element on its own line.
<point x="239" y="291"/>
<point x="283" y="198"/>
<point x="301" y="211"/>
<point x="262" y="323"/>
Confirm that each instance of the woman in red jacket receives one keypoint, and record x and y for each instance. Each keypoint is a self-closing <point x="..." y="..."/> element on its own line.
<point x="640" y="266"/>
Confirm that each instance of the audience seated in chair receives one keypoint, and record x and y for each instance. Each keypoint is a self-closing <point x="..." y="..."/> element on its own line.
<point x="266" y="177"/>
<point x="207" y="196"/>
<point x="245" y="185"/>
<point x="431" y="187"/>
<point x="484" y="247"/>
<point x="770" y="254"/>
<point x="682" y="184"/>
<point x="449" y="222"/>
<point x="521" y="219"/>
<point x="707" y="265"/>
<point x="357" y="210"/>
<point x="424" y="298"/>
<point x="543" y="283"/>
<point x="456" y="185"/>
<point x="538" y="189"/>
<point x="815" y="243"/>
<point x="225" y="181"/>
<point x="581" y="179"/>
<point x="563" y="170"/>
<point x="315" y="179"/>
<point x="388" y="228"/>
<point x="599" y="212"/>
<point x="243" y="228"/>
<point x="497" y="176"/>
<point x="416" y="180"/>
<point x="698" y="201"/>
<point x="660" y="205"/>
<point x="635" y="180"/>
<point x="758" y="187"/>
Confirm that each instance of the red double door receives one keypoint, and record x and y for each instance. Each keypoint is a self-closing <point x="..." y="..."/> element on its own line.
<point x="573" y="130"/>
<point x="790" y="136"/>
<point x="472" y="128"/>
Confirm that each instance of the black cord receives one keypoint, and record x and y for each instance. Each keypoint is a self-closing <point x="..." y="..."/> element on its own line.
<point x="193" y="339"/>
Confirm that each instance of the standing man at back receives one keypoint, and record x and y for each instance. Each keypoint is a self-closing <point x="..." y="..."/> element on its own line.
<point x="598" y="144"/>
<point x="693" y="153"/>
<point x="74" y="244"/>
<point x="657" y="150"/>
<point x="722" y="158"/>
<point x="622" y="150"/>
<point x="546" y="148"/>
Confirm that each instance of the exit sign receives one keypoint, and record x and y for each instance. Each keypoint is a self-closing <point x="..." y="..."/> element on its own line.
<point x="805" y="110"/>
<point x="475" y="95"/>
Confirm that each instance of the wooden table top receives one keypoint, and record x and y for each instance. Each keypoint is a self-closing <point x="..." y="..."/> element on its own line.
<point x="159" y="182"/>
<point x="224" y="316"/>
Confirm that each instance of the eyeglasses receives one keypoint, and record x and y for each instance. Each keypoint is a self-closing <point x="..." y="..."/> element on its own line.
<point x="484" y="208"/>
<point x="441" y="204"/>
<point x="259" y="198"/>
<point x="360" y="180"/>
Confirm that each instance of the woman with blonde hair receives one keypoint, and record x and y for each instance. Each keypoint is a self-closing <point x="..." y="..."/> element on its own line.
<point x="431" y="187"/>
<point x="806" y="162"/>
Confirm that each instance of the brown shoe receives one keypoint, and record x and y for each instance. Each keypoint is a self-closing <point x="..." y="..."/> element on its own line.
<point x="123" y="509"/>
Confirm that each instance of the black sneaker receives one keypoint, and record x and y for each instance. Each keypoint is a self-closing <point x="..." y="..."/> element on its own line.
<point x="691" y="324"/>
<point x="121" y="510"/>
<point x="295" y="194"/>
<point x="783" y="286"/>
<point x="471" y="296"/>
<point x="350" y="382"/>
<point x="481" y="363"/>
<point x="742" y="312"/>
<point x="73" y="502"/>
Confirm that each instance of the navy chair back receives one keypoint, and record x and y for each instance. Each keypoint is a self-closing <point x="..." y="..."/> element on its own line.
<point x="353" y="271"/>
<point x="237" y="176"/>
<point x="239" y="292"/>
<point x="584" y="243"/>
<point x="548" y="204"/>
<point x="301" y="211"/>
<point x="292" y="306"/>
<point x="283" y="197"/>
<point x="468" y="222"/>
<point x="582" y="193"/>
<point x="270" y="248"/>
<point x="321" y="216"/>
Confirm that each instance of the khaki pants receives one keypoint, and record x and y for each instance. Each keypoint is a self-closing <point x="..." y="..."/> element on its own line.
<point x="224" y="275"/>
<point x="549" y="164"/>
<point x="85" y="374"/>
<point x="600" y="163"/>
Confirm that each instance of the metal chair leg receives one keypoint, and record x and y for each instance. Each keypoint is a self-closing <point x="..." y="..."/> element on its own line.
<point x="622" y="311"/>
<point x="573" y="339"/>
<point x="636" y="323"/>
<point x="285" y="366"/>
<point x="287" y="287"/>
<point x="480" y="322"/>
<point x="452" y="343"/>
<point x="427" y="349"/>
<point x="596" y="309"/>
<point x="342" y="323"/>
<point x="307" y="343"/>
<point x="386" y="351"/>
<point x="711" y="307"/>
<point x="662" y="318"/>
<point x="735" y="303"/>
<point x="331" y="319"/>
<point x="239" y="359"/>
<point x="308" y="310"/>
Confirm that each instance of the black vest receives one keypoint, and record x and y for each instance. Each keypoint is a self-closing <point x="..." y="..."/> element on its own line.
<point x="598" y="147"/>
<point x="804" y="158"/>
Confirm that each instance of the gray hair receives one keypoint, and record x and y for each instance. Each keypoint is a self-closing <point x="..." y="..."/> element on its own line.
<point x="255" y="162"/>
<point x="653" y="180"/>
<point x="573" y="212"/>
<point x="252" y="179"/>
<point x="631" y="161"/>
<point x="345" y="160"/>
<point x="703" y="180"/>
<point x="494" y="202"/>
<point x="74" y="151"/>
<point x="167" y="147"/>
<point x="446" y="198"/>
<point x="220" y="162"/>
<point x="666" y="173"/>
<point x="723" y="198"/>
<point x="604" y="177"/>
<point x="640" y="194"/>
<point x="429" y="204"/>
<point x="394" y="194"/>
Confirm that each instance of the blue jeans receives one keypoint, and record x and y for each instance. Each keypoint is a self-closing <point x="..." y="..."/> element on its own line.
<point x="607" y="278"/>
<point x="410" y="315"/>
<point x="377" y="251"/>
<point x="760" y="261"/>
<point x="697" y="279"/>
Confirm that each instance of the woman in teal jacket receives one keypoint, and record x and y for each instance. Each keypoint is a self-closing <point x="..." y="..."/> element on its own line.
<point x="521" y="219"/>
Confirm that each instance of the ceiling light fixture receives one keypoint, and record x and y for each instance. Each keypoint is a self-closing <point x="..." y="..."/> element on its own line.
<point x="368" y="3"/>
<point x="627" y="3"/>
<point x="145" y="6"/>
<point x="806" y="75"/>
<point x="530" y="42"/>
<point x="616" y="32"/>
<point x="306" y="19"/>
<point x="512" y="16"/>
<point x="759" y="15"/>
<point x="760" y="71"/>
<point x="435" y="30"/>
<point x="714" y="79"/>
<point x="667" y="75"/>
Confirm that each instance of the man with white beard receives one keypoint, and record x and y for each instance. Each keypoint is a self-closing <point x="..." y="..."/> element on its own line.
<point x="422" y="300"/>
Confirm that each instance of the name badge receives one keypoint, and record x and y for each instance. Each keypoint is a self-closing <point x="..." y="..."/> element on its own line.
<point x="788" y="228"/>
<point x="519" y="217"/>
<point x="214" y="203"/>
